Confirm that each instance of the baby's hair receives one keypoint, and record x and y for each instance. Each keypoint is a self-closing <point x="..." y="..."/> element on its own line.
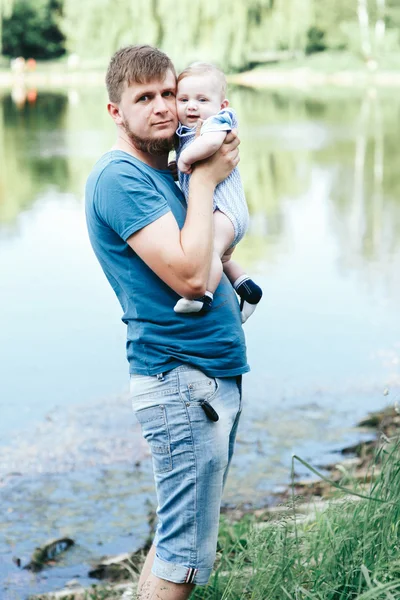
<point x="204" y="68"/>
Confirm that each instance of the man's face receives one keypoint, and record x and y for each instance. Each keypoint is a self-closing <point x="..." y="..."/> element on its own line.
<point x="147" y="113"/>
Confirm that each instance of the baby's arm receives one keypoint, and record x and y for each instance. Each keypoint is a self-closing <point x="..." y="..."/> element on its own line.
<point x="202" y="147"/>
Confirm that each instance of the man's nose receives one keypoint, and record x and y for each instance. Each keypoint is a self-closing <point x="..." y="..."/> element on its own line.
<point x="160" y="104"/>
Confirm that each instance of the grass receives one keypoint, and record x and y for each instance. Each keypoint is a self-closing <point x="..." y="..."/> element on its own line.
<point x="350" y="550"/>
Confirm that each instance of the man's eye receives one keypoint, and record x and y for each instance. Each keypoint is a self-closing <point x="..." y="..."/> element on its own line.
<point x="143" y="99"/>
<point x="168" y="94"/>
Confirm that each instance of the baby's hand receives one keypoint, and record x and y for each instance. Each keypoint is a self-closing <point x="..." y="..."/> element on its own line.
<point x="184" y="167"/>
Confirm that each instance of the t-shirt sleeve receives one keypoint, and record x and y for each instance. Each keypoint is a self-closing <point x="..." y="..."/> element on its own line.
<point x="225" y="120"/>
<point x="127" y="200"/>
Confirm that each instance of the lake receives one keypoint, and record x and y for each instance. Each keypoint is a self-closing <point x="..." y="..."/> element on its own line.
<point x="320" y="170"/>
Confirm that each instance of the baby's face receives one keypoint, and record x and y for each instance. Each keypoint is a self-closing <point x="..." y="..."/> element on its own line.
<point x="198" y="97"/>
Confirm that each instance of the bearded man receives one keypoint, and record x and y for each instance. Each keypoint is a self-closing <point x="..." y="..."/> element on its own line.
<point x="185" y="370"/>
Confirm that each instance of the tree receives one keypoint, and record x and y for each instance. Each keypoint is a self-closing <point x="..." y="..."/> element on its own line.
<point x="32" y="29"/>
<point x="6" y="7"/>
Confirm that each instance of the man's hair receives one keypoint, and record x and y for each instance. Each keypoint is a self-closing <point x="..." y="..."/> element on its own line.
<point x="135" y="64"/>
<point x="204" y="68"/>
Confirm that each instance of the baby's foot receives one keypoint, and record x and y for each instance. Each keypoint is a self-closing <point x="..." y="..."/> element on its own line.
<point x="200" y="305"/>
<point x="250" y="295"/>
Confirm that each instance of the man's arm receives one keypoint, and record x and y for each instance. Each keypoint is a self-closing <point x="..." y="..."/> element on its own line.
<point x="202" y="147"/>
<point x="182" y="258"/>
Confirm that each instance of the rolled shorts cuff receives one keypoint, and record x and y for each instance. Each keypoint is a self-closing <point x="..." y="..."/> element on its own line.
<point x="179" y="573"/>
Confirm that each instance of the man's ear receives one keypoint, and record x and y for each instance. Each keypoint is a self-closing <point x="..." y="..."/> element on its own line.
<point x="224" y="104"/>
<point x="114" y="112"/>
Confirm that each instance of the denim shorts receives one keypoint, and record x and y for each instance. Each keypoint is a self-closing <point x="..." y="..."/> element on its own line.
<point x="191" y="455"/>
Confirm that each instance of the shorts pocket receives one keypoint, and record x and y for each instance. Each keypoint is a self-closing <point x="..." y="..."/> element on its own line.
<point x="155" y="431"/>
<point x="202" y="388"/>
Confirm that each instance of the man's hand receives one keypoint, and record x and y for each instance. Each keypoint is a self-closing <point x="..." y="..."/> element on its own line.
<point x="221" y="164"/>
<point x="198" y="127"/>
<point x="183" y="165"/>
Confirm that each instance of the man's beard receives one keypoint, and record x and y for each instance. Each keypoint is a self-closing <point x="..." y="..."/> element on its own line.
<point x="156" y="147"/>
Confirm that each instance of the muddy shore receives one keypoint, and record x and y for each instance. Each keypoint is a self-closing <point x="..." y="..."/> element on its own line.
<point x="357" y="465"/>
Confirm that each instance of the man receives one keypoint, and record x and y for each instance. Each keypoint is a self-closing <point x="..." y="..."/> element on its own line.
<point x="185" y="369"/>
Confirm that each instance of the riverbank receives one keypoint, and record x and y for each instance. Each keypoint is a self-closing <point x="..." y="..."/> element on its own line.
<point x="323" y="534"/>
<point x="340" y="69"/>
<point x="343" y="70"/>
<point x="304" y="77"/>
<point x="51" y="79"/>
<point x="261" y="78"/>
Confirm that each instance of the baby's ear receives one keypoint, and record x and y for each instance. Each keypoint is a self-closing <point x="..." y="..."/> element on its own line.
<point x="224" y="104"/>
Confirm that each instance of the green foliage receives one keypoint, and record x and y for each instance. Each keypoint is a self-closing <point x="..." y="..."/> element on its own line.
<point x="32" y="30"/>
<point x="227" y="32"/>
<point x="315" y="40"/>
<point x="196" y="30"/>
<point x="347" y="551"/>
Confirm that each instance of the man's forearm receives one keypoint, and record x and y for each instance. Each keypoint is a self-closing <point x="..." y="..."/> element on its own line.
<point x="197" y="233"/>
<point x="182" y="258"/>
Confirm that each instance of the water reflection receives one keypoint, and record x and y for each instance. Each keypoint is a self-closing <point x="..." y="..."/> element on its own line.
<point x="285" y="138"/>
<point x="322" y="183"/>
<point x="28" y="164"/>
<point x="53" y="139"/>
<point x="318" y="171"/>
<point x="43" y="145"/>
<point x="320" y="176"/>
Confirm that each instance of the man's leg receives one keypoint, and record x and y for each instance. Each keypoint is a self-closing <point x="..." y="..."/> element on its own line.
<point x="155" y="588"/>
<point x="190" y="454"/>
<point x="150" y="586"/>
<point x="146" y="570"/>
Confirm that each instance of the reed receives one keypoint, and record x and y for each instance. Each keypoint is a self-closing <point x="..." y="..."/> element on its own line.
<point x="347" y="549"/>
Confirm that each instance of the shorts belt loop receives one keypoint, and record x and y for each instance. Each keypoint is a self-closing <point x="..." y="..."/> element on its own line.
<point x="160" y="376"/>
<point x="191" y="574"/>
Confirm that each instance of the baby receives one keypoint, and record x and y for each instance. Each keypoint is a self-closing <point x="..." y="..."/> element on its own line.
<point x="201" y="95"/>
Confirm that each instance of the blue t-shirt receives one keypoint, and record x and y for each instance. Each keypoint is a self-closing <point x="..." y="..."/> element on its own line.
<point x="124" y="195"/>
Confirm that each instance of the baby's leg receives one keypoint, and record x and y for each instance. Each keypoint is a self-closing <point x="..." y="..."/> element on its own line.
<point x="224" y="235"/>
<point x="231" y="268"/>
<point x="250" y="293"/>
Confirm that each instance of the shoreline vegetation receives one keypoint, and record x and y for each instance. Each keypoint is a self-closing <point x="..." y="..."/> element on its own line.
<point x="325" y="69"/>
<point x="329" y="537"/>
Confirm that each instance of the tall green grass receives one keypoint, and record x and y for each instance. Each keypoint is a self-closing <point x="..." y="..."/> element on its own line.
<point x="350" y="550"/>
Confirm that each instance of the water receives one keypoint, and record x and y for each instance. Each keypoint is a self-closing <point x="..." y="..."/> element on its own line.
<point x="320" y="173"/>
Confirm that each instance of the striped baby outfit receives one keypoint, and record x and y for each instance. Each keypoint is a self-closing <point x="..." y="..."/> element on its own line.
<point x="229" y="195"/>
